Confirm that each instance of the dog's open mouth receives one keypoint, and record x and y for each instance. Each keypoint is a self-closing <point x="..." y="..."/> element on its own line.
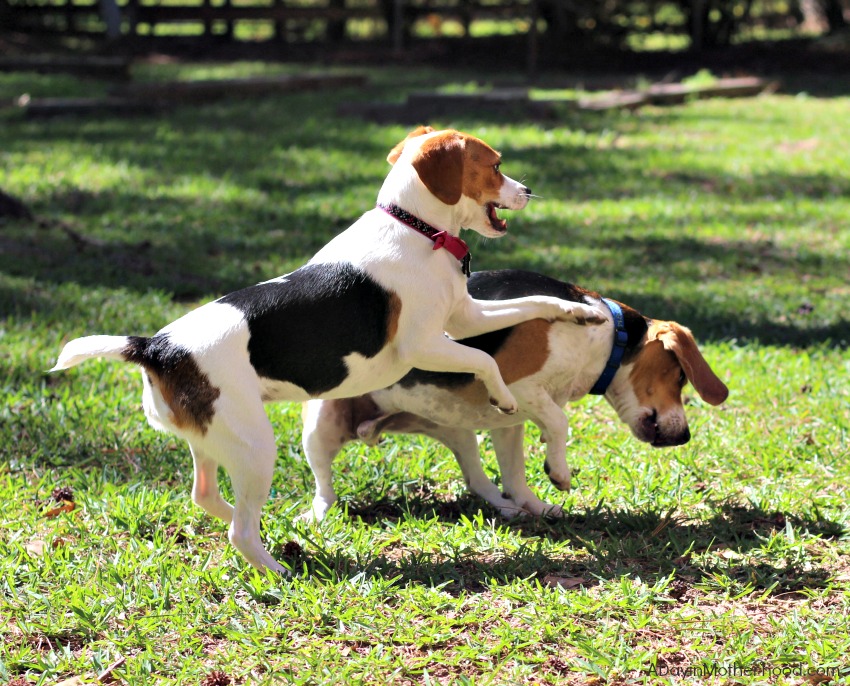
<point x="499" y="225"/>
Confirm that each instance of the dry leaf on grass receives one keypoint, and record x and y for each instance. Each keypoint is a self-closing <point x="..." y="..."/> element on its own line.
<point x="63" y="508"/>
<point x="216" y="678"/>
<point x="35" y="547"/>
<point x="554" y="581"/>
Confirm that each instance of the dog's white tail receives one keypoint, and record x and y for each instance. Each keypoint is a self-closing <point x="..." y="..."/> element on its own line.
<point x="82" y="349"/>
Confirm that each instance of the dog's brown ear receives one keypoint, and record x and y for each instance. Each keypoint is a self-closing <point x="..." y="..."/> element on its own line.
<point x="680" y="341"/>
<point x="439" y="164"/>
<point x="395" y="153"/>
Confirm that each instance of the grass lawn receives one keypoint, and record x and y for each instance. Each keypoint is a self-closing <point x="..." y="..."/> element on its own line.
<point x="728" y="555"/>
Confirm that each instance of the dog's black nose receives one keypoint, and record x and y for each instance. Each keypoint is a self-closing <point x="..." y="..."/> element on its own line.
<point x="526" y="190"/>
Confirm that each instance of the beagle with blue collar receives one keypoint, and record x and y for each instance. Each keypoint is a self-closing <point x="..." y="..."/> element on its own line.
<point x="640" y="365"/>
<point x="366" y="309"/>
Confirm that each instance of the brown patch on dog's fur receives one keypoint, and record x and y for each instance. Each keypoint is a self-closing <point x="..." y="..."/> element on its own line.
<point x="439" y="163"/>
<point x="190" y="395"/>
<point x="680" y="341"/>
<point x="481" y="181"/>
<point x="184" y="387"/>
<point x="392" y="316"/>
<point x="525" y="351"/>
<point x="452" y="164"/>
<point x="656" y="377"/>
<point x="669" y="350"/>
<point x="475" y="393"/>
<point x="395" y="153"/>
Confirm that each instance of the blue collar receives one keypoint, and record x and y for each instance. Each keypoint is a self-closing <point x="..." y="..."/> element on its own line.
<point x="621" y="337"/>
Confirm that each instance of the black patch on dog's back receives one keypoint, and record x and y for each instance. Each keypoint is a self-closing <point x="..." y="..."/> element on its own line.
<point x="504" y="284"/>
<point x="304" y="325"/>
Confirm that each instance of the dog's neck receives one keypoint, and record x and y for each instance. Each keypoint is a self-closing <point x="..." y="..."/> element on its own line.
<point x="404" y="189"/>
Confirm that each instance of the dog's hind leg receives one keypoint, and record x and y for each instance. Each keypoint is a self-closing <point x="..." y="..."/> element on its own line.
<point x="464" y="445"/>
<point x="252" y="484"/>
<point x="508" y="444"/>
<point x="245" y="447"/>
<point x="205" y="491"/>
<point x="326" y="430"/>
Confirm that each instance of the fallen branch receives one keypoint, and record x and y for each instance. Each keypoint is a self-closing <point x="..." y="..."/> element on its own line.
<point x="677" y="93"/>
<point x="212" y="89"/>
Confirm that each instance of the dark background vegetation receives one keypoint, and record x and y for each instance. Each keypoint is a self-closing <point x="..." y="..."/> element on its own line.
<point x="542" y="33"/>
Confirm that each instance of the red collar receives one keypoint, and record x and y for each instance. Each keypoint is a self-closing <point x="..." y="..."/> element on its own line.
<point x="442" y="239"/>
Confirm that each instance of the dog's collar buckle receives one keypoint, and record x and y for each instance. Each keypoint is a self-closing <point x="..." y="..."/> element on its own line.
<point x="441" y="239"/>
<point x="621" y="338"/>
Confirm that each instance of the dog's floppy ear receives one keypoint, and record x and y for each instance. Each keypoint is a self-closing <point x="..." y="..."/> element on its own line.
<point x="680" y="341"/>
<point x="395" y="153"/>
<point x="439" y="164"/>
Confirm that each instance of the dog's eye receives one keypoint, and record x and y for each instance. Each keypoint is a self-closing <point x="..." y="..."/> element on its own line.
<point x="497" y="167"/>
<point x="683" y="379"/>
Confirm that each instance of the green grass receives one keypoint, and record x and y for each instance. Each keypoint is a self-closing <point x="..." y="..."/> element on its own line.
<point x="727" y="553"/>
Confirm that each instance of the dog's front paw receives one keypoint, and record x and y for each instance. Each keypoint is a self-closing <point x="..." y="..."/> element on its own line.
<point x="530" y="504"/>
<point x="596" y="315"/>
<point x="561" y="479"/>
<point x="586" y="315"/>
<point x="578" y="313"/>
<point x="505" y="407"/>
<point x="317" y="511"/>
<point x="552" y="511"/>
<point x="509" y="508"/>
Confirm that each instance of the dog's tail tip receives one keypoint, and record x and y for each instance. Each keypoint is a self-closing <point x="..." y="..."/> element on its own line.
<point x="81" y="349"/>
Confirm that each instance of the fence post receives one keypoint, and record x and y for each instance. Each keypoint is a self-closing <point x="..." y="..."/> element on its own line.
<point x="70" y="21"/>
<point x="398" y="26"/>
<point x="228" y="30"/>
<point x="132" y="17"/>
<point x="279" y="24"/>
<point x="533" y="46"/>
<point x="111" y="15"/>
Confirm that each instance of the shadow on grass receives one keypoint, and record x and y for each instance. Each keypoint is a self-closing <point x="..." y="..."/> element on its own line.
<point x="622" y="544"/>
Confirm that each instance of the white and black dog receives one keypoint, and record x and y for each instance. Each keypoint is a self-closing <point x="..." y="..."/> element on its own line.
<point x="369" y="306"/>
<point x="639" y="364"/>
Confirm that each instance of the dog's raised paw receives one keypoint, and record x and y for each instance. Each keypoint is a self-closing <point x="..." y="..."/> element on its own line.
<point x="504" y="408"/>
<point x="590" y="315"/>
<point x="582" y="315"/>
